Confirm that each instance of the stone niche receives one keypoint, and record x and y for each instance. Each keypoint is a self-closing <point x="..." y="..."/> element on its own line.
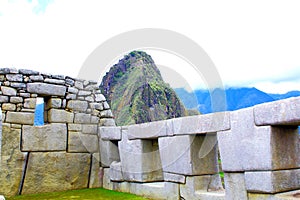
<point x="140" y="159"/>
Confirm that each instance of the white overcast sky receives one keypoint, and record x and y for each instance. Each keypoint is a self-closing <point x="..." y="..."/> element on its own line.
<point x="252" y="43"/>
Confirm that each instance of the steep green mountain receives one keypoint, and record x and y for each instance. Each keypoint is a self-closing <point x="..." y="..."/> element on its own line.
<point x="137" y="93"/>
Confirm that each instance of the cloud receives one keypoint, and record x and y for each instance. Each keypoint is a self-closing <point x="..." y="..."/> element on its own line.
<point x="24" y="7"/>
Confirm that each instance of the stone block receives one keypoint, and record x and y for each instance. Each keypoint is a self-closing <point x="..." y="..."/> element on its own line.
<point x="292" y="195"/>
<point x="105" y="106"/>
<point x="109" y="152"/>
<point x="176" y="178"/>
<point x="82" y="118"/>
<point x="272" y="181"/>
<point x="283" y="112"/>
<point x="181" y="155"/>
<point x="60" y="116"/>
<point x="54" y="81"/>
<point x="107" y="183"/>
<point x="50" y="137"/>
<point x="235" y="186"/>
<point x="72" y="90"/>
<point x="84" y="93"/>
<point x="107" y="122"/>
<point x="83" y="143"/>
<point x="3" y="99"/>
<point x="14" y="77"/>
<point x="20" y="118"/>
<point x="106" y="113"/>
<point x="56" y="171"/>
<point x="201" y="124"/>
<point x="8" y="107"/>
<point x="78" y="84"/>
<point x="140" y="160"/>
<point x="148" y="130"/>
<point x="157" y="190"/>
<point x="75" y="127"/>
<point x="18" y="85"/>
<point x="36" y="78"/>
<point x="77" y="105"/>
<point x="90" y="129"/>
<point x="53" y="103"/>
<point x="46" y="89"/>
<point x="30" y="103"/>
<point x="28" y="72"/>
<point x="99" y="97"/>
<point x="110" y="133"/>
<point x="95" y="176"/>
<point x="115" y="171"/>
<point x="11" y="162"/>
<point x="247" y="147"/>
<point x="16" y="99"/>
<point x="97" y="106"/>
<point x="8" y="91"/>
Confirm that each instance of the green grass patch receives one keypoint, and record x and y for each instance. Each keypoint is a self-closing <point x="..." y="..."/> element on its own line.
<point x="84" y="194"/>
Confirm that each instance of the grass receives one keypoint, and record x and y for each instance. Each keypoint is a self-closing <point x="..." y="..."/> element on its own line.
<point x="84" y="194"/>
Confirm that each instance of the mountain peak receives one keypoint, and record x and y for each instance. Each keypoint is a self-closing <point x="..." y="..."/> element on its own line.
<point x="137" y="93"/>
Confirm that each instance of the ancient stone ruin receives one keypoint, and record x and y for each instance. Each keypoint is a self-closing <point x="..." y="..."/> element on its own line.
<point x="79" y="146"/>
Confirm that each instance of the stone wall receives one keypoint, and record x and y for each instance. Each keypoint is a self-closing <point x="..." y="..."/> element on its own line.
<point x="259" y="150"/>
<point x="63" y="153"/>
<point x="79" y="146"/>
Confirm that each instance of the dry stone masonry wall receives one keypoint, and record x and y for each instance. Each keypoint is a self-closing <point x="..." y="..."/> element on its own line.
<point x="79" y="146"/>
<point x="62" y="154"/>
<point x="259" y="150"/>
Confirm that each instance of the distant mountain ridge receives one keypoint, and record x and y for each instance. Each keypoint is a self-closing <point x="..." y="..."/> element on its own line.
<point x="236" y="98"/>
<point x="137" y="93"/>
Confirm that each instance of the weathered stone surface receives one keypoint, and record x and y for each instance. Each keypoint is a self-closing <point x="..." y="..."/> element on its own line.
<point x="54" y="81"/>
<point x="105" y="106"/>
<point x="75" y="127"/>
<point x="100" y="97"/>
<point x="4" y="70"/>
<point x="90" y="129"/>
<point x="8" y="91"/>
<point x="95" y="177"/>
<point x="180" y="155"/>
<point x="82" y="118"/>
<point x="272" y="181"/>
<point x="94" y="120"/>
<point x="3" y="99"/>
<point x="20" y="118"/>
<point x="77" y="105"/>
<point x="248" y="147"/>
<point x="60" y="116"/>
<point x="97" y="106"/>
<point x="28" y="72"/>
<point x="292" y="195"/>
<point x="109" y="152"/>
<point x="11" y="162"/>
<point x="46" y="89"/>
<point x="14" y="77"/>
<point x="115" y="171"/>
<point x="158" y="190"/>
<point x="72" y="90"/>
<point x="107" y="184"/>
<point x="283" y="112"/>
<point x="17" y="85"/>
<point x="214" y="195"/>
<point x="36" y="78"/>
<point x="110" y="133"/>
<point x="8" y="107"/>
<point x="106" y="113"/>
<point x="84" y="93"/>
<point x="176" y="178"/>
<point x="53" y="103"/>
<point x="56" y="171"/>
<point x="71" y="96"/>
<point x="235" y="186"/>
<point x="198" y="124"/>
<point x="30" y="103"/>
<point x="148" y="130"/>
<point x="82" y="143"/>
<point x="107" y="122"/>
<point x="50" y="137"/>
<point x="16" y="99"/>
<point x="79" y="84"/>
<point x="140" y="160"/>
<point x="199" y="185"/>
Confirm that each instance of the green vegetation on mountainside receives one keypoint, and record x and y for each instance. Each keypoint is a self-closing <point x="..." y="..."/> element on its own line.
<point x="137" y="93"/>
